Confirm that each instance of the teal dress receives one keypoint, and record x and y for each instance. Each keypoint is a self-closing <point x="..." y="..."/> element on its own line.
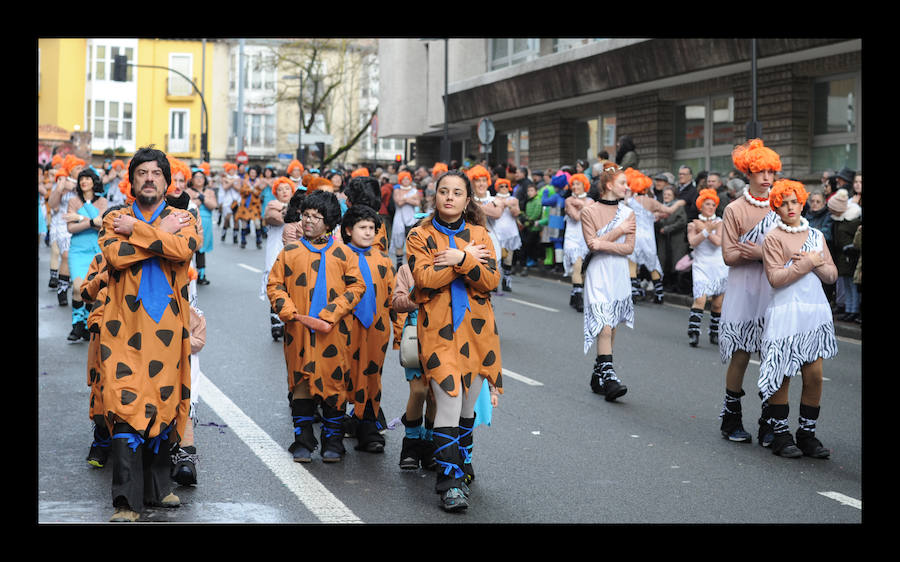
<point x="83" y="246"/>
<point x="206" y="222"/>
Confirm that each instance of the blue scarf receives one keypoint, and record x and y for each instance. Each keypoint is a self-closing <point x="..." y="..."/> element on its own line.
<point x="320" y="293"/>
<point x="459" y="298"/>
<point x="365" y="308"/>
<point x="154" y="291"/>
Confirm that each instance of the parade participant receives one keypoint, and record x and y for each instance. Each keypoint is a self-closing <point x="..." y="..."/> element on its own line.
<point x="364" y="190"/>
<point x="709" y="272"/>
<point x="480" y="179"/>
<point x="294" y="172"/>
<point x="145" y="369"/>
<point x="505" y="229"/>
<point x="371" y="326"/>
<point x="799" y="330"/>
<point x="111" y="182"/>
<point x="273" y="218"/>
<point x="454" y="271"/>
<point x="247" y="209"/>
<point x="204" y="198"/>
<point x="418" y="419"/>
<point x="83" y="221"/>
<point x="645" y="209"/>
<point x="609" y="231"/>
<point x="574" y="247"/>
<point x="185" y="457"/>
<point x="406" y="198"/>
<point x="313" y="286"/>
<point x="60" y="237"/>
<point x="93" y="292"/>
<point x="553" y="198"/>
<point x="228" y="198"/>
<point x="745" y="223"/>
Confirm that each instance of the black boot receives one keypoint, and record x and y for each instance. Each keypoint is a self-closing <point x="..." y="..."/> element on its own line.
<point x="303" y="414"/>
<point x="54" y="279"/>
<point x="765" y="433"/>
<point x="782" y="442"/>
<point x="604" y="380"/>
<point x="806" y="434"/>
<point x="578" y="298"/>
<point x="426" y="453"/>
<point x="332" y="434"/>
<point x="184" y="461"/>
<point x="694" y="326"/>
<point x="449" y="483"/>
<point x="234" y="236"/>
<point x="466" y="443"/>
<point x="714" y="327"/>
<point x="637" y="291"/>
<point x="732" y="427"/>
<point x="410" y="451"/>
<point x="244" y="233"/>
<point x="658" y="292"/>
<point x="62" y="290"/>
<point x="99" y="453"/>
<point x="368" y="436"/>
<point x="76" y="335"/>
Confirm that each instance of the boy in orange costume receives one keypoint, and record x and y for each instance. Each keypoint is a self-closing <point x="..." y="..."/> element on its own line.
<point x="313" y="286"/>
<point x="144" y="346"/>
<point x="371" y="327"/>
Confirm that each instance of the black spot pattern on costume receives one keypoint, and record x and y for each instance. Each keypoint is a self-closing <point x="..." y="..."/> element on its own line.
<point x="431" y="243"/>
<point x="287" y="271"/>
<point x="165" y="336"/>
<point x="359" y="396"/>
<point x="128" y="397"/>
<point x="184" y="293"/>
<point x="330" y="351"/>
<point x="113" y="327"/>
<point x="105" y="352"/>
<point x="279" y="304"/>
<point x="173" y="304"/>
<point x="382" y="271"/>
<point x="348" y="279"/>
<point x="192" y="244"/>
<point x="310" y="367"/>
<point x="338" y="253"/>
<point x="337" y="374"/>
<point x="132" y="302"/>
<point x="288" y="338"/>
<point x="135" y="341"/>
<point x="156" y="247"/>
<point x="155" y="367"/>
<point x="315" y="265"/>
<point x="136" y="268"/>
<point x="446" y="332"/>
<point x="185" y="392"/>
<point x="332" y="294"/>
<point x="349" y="296"/>
<point x="498" y="382"/>
<point x="165" y="392"/>
<point x="371" y="368"/>
<point x="465" y="235"/>
<point x="474" y="274"/>
<point x="126" y="249"/>
<point x="301" y="280"/>
<point x="150" y="412"/>
<point x="464" y="350"/>
<point x="477" y="325"/>
<point x="291" y="246"/>
<point x="433" y="362"/>
<point x="448" y="385"/>
<point x="467" y="380"/>
<point x="330" y="307"/>
<point x="489" y="359"/>
<point x="122" y="370"/>
<point x="411" y="260"/>
<point x="298" y="376"/>
<point x="379" y="325"/>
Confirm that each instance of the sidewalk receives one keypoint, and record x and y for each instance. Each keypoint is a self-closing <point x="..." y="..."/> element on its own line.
<point x="849" y="330"/>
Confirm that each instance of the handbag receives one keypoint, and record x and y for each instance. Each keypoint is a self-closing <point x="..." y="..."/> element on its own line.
<point x="409" y="347"/>
<point x="684" y="263"/>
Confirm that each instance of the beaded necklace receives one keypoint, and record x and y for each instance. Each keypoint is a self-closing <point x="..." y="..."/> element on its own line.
<point x="804" y="225"/>
<point x="756" y="201"/>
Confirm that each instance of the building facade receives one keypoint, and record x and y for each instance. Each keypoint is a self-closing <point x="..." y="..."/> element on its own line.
<point x="682" y="101"/>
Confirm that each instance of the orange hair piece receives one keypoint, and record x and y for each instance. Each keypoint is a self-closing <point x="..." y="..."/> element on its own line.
<point x="753" y="156"/>
<point x="478" y="171"/>
<point x="178" y="166"/>
<point x="438" y="169"/>
<point x="585" y="182"/>
<point x="294" y="164"/>
<point x="125" y="188"/>
<point x="118" y="164"/>
<point x="315" y="183"/>
<point x="637" y="181"/>
<point x="402" y="175"/>
<point x="62" y="172"/>
<point x="229" y="166"/>
<point x="362" y="171"/>
<point x="205" y="167"/>
<point x="502" y="181"/>
<point x="56" y="160"/>
<point x="192" y="274"/>
<point x="705" y="194"/>
<point x="281" y="180"/>
<point x="784" y="187"/>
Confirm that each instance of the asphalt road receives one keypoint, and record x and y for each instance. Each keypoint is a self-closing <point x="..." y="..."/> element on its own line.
<point x="555" y="453"/>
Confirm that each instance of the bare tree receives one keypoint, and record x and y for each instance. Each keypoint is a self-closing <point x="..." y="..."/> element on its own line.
<point x="329" y="71"/>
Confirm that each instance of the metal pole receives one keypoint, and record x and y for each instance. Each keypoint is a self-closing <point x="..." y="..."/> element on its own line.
<point x="240" y="87"/>
<point x="204" y="133"/>
<point x="754" y="127"/>
<point x="300" y="114"/>
<point x="445" y="143"/>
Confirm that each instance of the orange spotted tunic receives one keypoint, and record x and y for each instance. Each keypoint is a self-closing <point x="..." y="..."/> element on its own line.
<point x="370" y="344"/>
<point x="381" y="241"/>
<point x="451" y="358"/>
<point x="93" y="290"/>
<point x="145" y="368"/>
<point x="249" y="205"/>
<point x="322" y="359"/>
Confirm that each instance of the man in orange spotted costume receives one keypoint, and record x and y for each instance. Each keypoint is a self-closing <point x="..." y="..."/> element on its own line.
<point x="144" y="338"/>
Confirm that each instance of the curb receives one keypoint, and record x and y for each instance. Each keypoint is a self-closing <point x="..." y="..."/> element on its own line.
<point x="849" y="330"/>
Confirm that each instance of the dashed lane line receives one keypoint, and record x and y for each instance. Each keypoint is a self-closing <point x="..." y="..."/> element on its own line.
<point x="250" y="267"/>
<point x="846" y="500"/>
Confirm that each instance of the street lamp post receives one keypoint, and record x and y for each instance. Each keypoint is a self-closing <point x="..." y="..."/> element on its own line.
<point x="300" y="107"/>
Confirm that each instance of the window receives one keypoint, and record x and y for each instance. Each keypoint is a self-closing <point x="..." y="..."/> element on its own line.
<point x="594" y="135"/>
<point x="102" y="57"/>
<point x="179" y="123"/>
<point x="507" y="52"/>
<point x="178" y="86"/>
<point x="704" y="133"/>
<point x="835" y="108"/>
<point x="516" y="147"/>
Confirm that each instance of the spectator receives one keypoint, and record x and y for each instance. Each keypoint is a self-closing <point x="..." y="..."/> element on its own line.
<point x="847" y="217"/>
<point x="686" y="192"/>
<point x="660" y="181"/>
<point x="844" y="179"/>
<point x="671" y="242"/>
<point x="626" y="155"/>
<point x="714" y="181"/>
<point x="856" y="194"/>
<point x="532" y="220"/>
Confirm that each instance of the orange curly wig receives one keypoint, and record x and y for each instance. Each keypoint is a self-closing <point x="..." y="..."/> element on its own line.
<point x="360" y="172"/>
<point x="229" y="166"/>
<point x="585" y="182"/>
<point x="753" y="156"/>
<point x="402" y="175"/>
<point x="294" y="164"/>
<point x="784" y="187"/>
<point x="705" y="194"/>
<point x="438" y="169"/>
<point x="478" y="171"/>
<point x="502" y="181"/>
<point x="284" y="180"/>
<point x="637" y="181"/>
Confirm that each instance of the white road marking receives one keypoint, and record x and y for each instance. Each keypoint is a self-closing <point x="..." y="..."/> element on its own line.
<point x="846" y="500"/>
<point x="520" y="378"/>
<point x="251" y="268"/>
<point x="526" y="303"/>
<point x="323" y="504"/>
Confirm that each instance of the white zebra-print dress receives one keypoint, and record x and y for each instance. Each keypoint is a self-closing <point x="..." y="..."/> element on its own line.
<point x="710" y="274"/>
<point x="798" y="326"/>
<point x="607" y="287"/>
<point x="644" y="238"/>
<point x="746" y="300"/>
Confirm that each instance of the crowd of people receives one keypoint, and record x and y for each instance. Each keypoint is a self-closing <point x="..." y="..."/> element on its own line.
<point x="361" y="260"/>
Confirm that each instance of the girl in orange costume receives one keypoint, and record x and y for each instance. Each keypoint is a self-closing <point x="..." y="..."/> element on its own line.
<point x="454" y="270"/>
<point x="709" y="272"/>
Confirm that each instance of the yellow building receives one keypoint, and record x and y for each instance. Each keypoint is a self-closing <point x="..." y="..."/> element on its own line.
<point x="153" y="106"/>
